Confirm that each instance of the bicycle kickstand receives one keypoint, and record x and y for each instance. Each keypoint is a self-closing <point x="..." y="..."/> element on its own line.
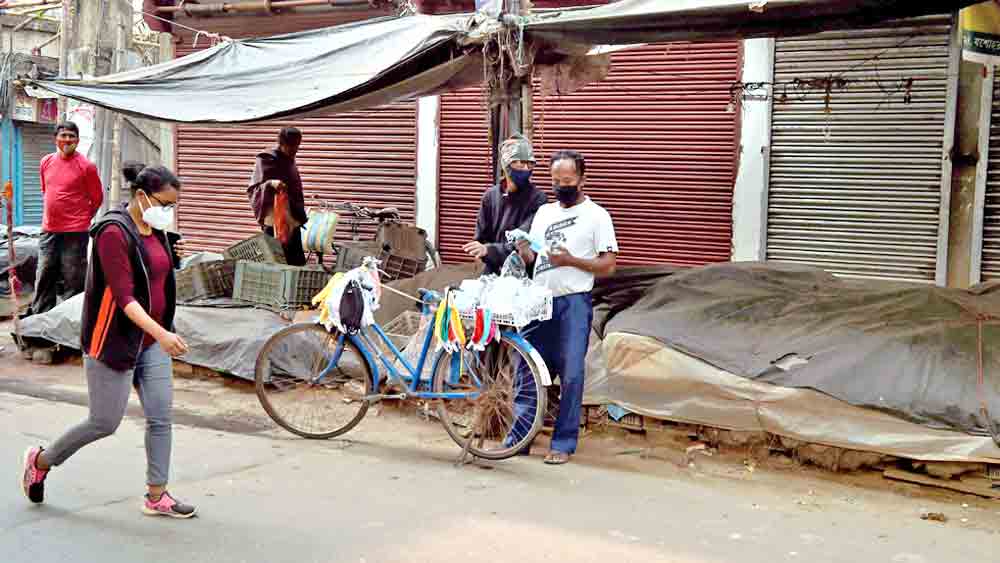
<point x="464" y="458"/>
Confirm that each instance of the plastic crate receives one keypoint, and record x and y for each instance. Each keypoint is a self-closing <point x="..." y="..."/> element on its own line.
<point x="396" y="267"/>
<point x="402" y="239"/>
<point x="278" y="286"/>
<point x="303" y="284"/>
<point x="993" y="473"/>
<point x="206" y="280"/>
<point x="261" y="248"/>
<point x="351" y="254"/>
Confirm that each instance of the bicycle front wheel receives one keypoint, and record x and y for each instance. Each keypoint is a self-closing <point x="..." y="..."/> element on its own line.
<point x="311" y="382"/>
<point x="500" y="399"/>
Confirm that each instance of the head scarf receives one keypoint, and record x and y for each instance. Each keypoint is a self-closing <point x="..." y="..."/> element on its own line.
<point x="514" y="149"/>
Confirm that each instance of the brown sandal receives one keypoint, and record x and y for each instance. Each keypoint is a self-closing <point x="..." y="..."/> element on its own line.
<point x="556" y="458"/>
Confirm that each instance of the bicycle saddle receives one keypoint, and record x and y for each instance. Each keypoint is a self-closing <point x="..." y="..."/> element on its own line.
<point x="387" y="213"/>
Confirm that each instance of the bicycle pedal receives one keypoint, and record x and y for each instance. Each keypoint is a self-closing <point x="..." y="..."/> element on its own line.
<point x="372" y="399"/>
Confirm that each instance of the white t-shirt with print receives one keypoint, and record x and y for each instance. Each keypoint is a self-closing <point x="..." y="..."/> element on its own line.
<point x="585" y="230"/>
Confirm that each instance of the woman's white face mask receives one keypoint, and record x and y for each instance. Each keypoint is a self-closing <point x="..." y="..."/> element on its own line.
<point x="157" y="216"/>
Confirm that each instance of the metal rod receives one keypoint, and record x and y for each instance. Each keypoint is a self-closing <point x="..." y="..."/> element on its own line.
<point x="25" y="4"/>
<point x="527" y="110"/>
<point x="49" y="41"/>
<point x="8" y="198"/>
<point x="116" y="131"/>
<point x="65" y="39"/>
<point x="221" y="8"/>
<point x="27" y="21"/>
<point x="38" y="12"/>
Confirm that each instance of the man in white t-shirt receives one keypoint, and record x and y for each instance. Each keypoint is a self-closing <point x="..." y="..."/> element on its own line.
<point x="580" y="244"/>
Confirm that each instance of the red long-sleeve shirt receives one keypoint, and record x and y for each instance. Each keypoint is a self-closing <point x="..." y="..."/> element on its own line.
<point x="112" y="248"/>
<point x="72" y="191"/>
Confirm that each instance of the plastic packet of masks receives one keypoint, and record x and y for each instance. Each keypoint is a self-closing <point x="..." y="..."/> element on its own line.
<point x="501" y="295"/>
<point x="514" y="267"/>
<point x="371" y="288"/>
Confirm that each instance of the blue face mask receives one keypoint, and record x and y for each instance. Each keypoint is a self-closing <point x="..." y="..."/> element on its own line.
<point x="521" y="178"/>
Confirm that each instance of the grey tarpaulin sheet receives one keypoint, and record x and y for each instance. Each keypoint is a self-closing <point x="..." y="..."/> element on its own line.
<point x="222" y="339"/>
<point x="652" y="379"/>
<point x="26" y="261"/>
<point x="618" y="292"/>
<point x="341" y="68"/>
<point x="907" y="350"/>
<point x="655" y="21"/>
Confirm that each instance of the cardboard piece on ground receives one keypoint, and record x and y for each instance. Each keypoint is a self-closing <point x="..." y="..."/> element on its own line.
<point x="437" y="279"/>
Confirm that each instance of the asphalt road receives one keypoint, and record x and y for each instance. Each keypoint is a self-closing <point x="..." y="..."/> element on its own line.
<point x="393" y="493"/>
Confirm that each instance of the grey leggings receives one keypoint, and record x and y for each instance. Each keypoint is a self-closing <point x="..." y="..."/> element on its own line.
<point x="109" y="391"/>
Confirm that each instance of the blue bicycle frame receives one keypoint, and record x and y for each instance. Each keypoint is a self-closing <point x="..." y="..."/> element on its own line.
<point x="411" y="378"/>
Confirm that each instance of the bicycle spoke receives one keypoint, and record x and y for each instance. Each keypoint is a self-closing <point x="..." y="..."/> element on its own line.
<point x="300" y="388"/>
<point x="500" y="414"/>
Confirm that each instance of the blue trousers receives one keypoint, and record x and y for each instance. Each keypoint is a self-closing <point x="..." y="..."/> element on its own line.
<point x="562" y="342"/>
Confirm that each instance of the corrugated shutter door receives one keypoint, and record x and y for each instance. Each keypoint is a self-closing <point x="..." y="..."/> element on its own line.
<point x="660" y="145"/>
<point x="990" y="263"/>
<point x="36" y="142"/>
<point x="857" y="189"/>
<point x="368" y="158"/>
<point x="464" y="170"/>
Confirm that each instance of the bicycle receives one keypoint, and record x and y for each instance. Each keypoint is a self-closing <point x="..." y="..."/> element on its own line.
<point x="319" y="384"/>
<point x="358" y="216"/>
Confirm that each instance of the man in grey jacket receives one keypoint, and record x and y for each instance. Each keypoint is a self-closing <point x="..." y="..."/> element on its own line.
<point x="507" y="206"/>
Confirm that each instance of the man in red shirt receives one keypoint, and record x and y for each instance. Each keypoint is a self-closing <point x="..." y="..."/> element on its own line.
<point x="73" y="194"/>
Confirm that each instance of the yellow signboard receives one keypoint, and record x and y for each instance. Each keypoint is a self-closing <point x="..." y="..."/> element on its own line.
<point x="981" y="33"/>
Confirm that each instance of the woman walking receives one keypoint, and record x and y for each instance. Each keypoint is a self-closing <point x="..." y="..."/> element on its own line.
<point x="128" y="317"/>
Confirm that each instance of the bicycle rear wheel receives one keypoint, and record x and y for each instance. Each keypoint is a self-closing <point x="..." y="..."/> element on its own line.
<point x="504" y="405"/>
<point x="311" y="384"/>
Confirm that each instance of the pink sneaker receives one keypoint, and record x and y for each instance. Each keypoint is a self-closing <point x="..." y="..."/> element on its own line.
<point x="33" y="478"/>
<point x="167" y="506"/>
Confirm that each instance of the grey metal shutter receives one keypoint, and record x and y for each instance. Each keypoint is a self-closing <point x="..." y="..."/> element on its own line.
<point x="860" y="186"/>
<point x="990" y="258"/>
<point x="36" y="142"/>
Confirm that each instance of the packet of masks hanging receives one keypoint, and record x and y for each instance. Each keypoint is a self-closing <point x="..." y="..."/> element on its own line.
<point x="515" y="235"/>
<point x="330" y="297"/>
<point x="503" y="295"/>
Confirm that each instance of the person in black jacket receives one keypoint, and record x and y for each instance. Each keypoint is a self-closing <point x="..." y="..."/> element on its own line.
<point x="127" y="336"/>
<point x="507" y="206"/>
<point x="275" y="171"/>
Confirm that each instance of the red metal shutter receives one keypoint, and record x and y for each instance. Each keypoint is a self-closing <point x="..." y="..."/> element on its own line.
<point x="661" y="152"/>
<point x="366" y="157"/>
<point x="464" y="169"/>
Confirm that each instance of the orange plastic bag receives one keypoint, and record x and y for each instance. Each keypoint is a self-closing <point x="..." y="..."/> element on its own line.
<point x="281" y="226"/>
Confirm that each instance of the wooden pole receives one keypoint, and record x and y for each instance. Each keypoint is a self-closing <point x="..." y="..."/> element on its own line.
<point x="116" y="132"/>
